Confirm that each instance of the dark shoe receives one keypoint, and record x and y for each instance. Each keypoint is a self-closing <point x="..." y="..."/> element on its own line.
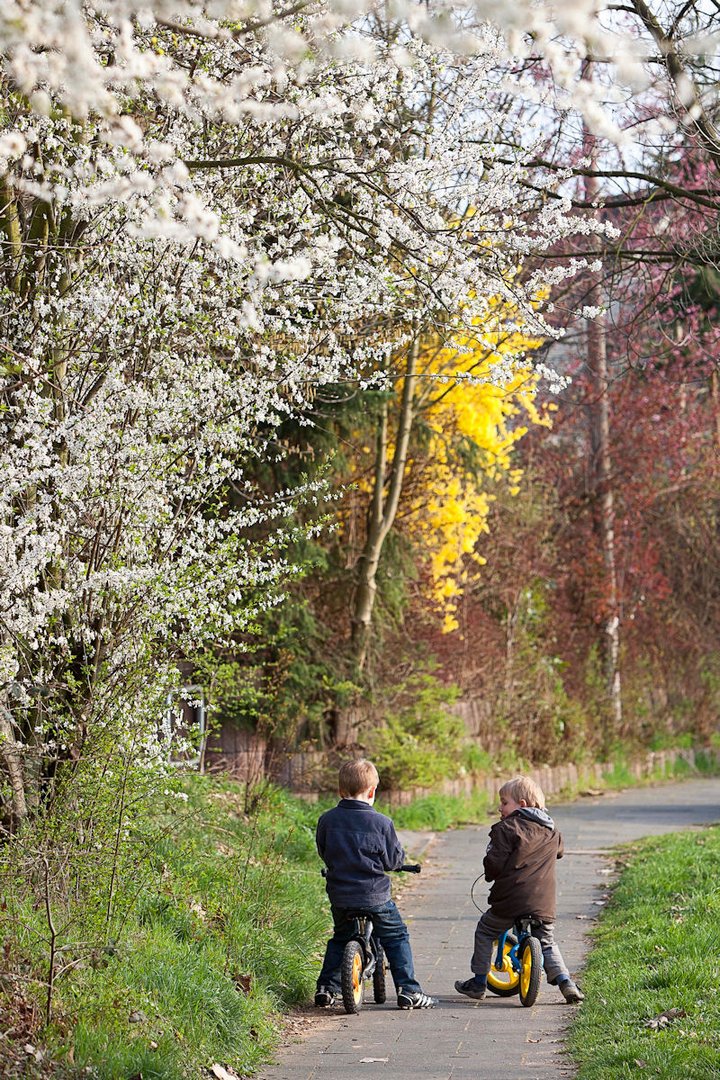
<point x="324" y="997"/>
<point x="470" y="989"/>
<point x="418" y="1000"/>
<point x="572" y="993"/>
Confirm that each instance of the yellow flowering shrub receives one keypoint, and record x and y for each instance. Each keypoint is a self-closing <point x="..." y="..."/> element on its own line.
<point x="472" y="401"/>
<point x="471" y="426"/>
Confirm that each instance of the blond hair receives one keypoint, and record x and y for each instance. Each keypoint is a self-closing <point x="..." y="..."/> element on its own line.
<point x="524" y="789"/>
<point x="357" y="776"/>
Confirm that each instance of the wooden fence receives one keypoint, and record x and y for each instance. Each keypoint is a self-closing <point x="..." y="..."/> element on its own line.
<point x="249" y="758"/>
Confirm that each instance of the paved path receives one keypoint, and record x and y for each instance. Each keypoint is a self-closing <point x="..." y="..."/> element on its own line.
<point x="494" y="1039"/>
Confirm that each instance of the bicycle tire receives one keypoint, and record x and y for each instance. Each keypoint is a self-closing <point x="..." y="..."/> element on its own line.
<point x="379" y="981"/>
<point x="531" y="964"/>
<point x="351" y="977"/>
<point x="505" y="983"/>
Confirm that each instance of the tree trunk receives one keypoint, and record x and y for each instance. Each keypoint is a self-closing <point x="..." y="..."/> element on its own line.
<point x="715" y="398"/>
<point x="605" y="509"/>
<point x="387" y="488"/>
<point x="604" y="516"/>
<point x="11" y="754"/>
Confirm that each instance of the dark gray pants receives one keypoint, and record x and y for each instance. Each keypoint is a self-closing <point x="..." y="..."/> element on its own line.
<point x="491" y="926"/>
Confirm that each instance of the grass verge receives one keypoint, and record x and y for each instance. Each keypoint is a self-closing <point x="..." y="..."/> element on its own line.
<point x="439" y="812"/>
<point x="653" y="977"/>
<point x="226" y="920"/>
<point x="224" y="924"/>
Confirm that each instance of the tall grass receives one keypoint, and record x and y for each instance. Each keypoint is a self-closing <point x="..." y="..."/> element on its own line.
<point x="656" y="949"/>
<point x="227" y="925"/>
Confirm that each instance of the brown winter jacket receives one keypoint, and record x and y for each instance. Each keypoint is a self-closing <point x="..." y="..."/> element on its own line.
<point x="520" y="860"/>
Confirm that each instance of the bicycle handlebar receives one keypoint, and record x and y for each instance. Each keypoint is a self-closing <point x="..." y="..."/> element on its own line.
<point x="407" y="868"/>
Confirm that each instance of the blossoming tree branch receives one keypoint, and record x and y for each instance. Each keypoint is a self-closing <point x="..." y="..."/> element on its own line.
<point x="206" y="211"/>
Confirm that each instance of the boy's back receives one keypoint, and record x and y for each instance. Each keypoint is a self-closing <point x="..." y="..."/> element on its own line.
<point x="358" y="844"/>
<point x="520" y="861"/>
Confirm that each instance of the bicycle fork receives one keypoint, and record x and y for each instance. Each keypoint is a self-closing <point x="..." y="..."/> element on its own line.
<point x="499" y="962"/>
<point x="369" y="950"/>
<point x="523" y="930"/>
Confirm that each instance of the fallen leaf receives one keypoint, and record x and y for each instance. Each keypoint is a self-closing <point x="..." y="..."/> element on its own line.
<point x="222" y="1073"/>
<point x="640" y="1063"/>
<point x="664" y="1018"/>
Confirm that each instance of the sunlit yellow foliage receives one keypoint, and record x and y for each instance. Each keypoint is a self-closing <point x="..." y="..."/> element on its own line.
<point x="472" y="426"/>
<point x="473" y="401"/>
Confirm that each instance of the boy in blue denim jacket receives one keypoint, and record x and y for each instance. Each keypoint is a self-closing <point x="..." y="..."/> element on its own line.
<point x="358" y="845"/>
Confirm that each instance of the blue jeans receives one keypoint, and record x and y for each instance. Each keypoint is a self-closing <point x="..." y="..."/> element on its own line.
<point x="393" y="935"/>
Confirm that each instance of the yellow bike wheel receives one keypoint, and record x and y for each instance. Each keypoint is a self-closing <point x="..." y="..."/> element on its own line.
<point x="353" y="987"/>
<point x="506" y="981"/>
<point x="531" y="963"/>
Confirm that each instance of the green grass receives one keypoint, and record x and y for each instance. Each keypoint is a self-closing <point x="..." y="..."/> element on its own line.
<point x="226" y="928"/>
<point x="656" y="948"/>
<point x="226" y="921"/>
<point x="438" y="812"/>
<point x="622" y="775"/>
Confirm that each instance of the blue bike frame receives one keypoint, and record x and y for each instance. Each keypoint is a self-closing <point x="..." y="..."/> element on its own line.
<point x="523" y="930"/>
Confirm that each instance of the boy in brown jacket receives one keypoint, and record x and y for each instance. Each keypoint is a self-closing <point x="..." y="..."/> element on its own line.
<point x="520" y="861"/>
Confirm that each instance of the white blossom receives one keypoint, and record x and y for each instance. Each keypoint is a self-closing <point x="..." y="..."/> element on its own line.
<point x="222" y="237"/>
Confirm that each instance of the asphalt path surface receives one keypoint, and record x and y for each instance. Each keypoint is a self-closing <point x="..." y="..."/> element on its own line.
<point x="493" y="1039"/>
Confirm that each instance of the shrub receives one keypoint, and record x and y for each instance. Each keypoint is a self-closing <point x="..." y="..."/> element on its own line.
<point x="423" y="742"/>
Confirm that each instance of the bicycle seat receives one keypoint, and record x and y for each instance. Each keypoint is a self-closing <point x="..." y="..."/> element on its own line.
<point x="530" y="920"/>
